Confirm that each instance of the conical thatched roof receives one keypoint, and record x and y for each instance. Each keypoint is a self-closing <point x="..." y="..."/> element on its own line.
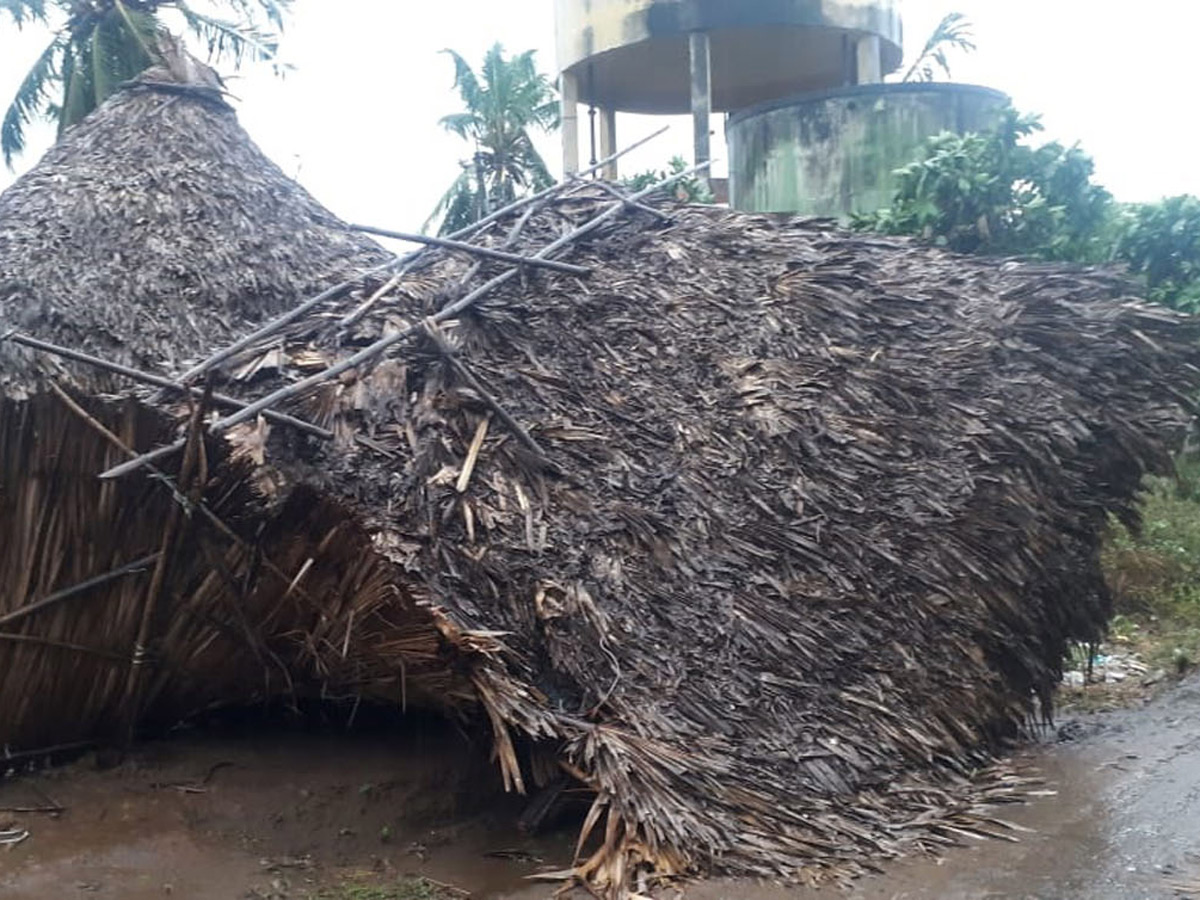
<point x="156" y="228"/>
<point x="767" y="533"/>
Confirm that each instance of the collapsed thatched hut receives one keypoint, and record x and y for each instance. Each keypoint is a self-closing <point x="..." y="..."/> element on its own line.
<point x="766" y="533"/>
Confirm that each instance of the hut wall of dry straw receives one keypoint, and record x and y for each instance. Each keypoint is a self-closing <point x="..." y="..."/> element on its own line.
<point x="772" y="534"/>
<point x="152" y="232"/>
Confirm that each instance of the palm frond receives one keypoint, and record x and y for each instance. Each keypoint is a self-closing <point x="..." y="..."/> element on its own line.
<point x="231" y="40"/>
<point x="31" y="99"/>
<point x="465" y="125"/>
<point x="953" y="32"/>
<point x="460" y="196"/>
<point x="76" y="83"/>
<point x="122" y="47"/>
<point x="539" y="171"/>
<point x="465" y="81"/>
<point x="24" y="11"/>
<point x="273" y="10"/>
<point x="549" y="114"/>
<point x="142" y="27"/>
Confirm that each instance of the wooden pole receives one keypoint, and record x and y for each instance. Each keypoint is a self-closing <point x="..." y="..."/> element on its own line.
<point x="383" y="344"/>
<point x="488" y="252"/>
<point x="287" y="318"/>
<point x="156" y="380"/>
<point x="138" y="565"/>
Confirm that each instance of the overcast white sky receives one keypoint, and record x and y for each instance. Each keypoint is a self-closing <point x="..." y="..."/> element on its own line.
<point x="357" y="120"/>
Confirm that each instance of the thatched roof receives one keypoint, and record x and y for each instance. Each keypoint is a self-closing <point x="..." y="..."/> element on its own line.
<point x="770" y="533"/>
<point x="155" y="229"/>
<point x="816" y="520"/>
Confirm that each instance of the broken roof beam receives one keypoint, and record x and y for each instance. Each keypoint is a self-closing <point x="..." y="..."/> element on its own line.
<point x="487" y="252"/>
<point x="376" y="349"/>
<point x="157" y="381"/>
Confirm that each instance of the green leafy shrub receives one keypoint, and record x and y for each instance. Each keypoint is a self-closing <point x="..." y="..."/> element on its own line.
<point x="991" y="192"/>
<point x="687" y="190"/>
<point x="1154" y="573"/>
<point x="1161" y="242"/>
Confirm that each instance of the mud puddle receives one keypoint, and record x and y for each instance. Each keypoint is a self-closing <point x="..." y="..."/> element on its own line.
<point x="285" y="816"/>
<point x="270" y="816"/>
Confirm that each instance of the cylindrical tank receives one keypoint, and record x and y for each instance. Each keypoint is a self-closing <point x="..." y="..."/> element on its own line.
<point x="632" y="55"/>
<point x="833" y="153"/>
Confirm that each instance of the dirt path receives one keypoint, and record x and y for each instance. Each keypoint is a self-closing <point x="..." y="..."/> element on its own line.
<point x="288" y="816"/>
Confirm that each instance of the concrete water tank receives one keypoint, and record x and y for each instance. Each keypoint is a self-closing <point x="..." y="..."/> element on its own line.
<point x="632" y="55"/>
<point x="676" y="56"/>
<point x="834" y="153"/>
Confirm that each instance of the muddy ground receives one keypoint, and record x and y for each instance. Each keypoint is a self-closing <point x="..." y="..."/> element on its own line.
<point x="248" y="814"/>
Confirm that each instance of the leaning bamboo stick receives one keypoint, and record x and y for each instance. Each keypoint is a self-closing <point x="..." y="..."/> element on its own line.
<point x="487" y="252"/>
<point x="281" y="322"/>
<point x="39" y="641"/>
<point x="292" y="315"/>
<point x="156" y="380"/>
<point x="383" y="344"/>
<point x="213" y="519"/>
<point x="192" y="471"/>
<point x="614" y="191"/>
<point x="138" y="565"/>
<point x="469" y="377"/>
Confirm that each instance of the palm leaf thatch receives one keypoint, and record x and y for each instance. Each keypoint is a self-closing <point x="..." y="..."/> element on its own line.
<point x="190" y="233"/>
<point x="770" y="534"/>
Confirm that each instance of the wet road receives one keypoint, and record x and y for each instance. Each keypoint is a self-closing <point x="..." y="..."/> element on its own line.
<point x="1124" y="823"/>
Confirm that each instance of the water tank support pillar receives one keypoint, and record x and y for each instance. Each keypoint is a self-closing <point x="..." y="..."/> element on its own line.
<point x="870" y="60"/>
<point x="700" y="55"/>
<point x="569" y="98"/>
<point x="608" y="142"/>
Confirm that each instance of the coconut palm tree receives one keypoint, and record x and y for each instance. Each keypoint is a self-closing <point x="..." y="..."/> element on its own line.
<point x="952" y="33"/>
<point x="98" y="44"/>
<point x="502" y="104"/>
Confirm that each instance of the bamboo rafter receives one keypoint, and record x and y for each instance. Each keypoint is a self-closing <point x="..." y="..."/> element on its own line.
<point x="403" y="262"/>
<point x="156" y="380"/>
<point x="386" y="343"/>
<point x="475" y="250"/>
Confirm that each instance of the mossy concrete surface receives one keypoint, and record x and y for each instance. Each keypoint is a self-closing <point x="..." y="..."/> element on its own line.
<point x="835" y="153"/>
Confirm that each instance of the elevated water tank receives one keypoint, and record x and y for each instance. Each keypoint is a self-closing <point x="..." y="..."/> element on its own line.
<point x="673" y="56"/>
<point x="632" y="55"/>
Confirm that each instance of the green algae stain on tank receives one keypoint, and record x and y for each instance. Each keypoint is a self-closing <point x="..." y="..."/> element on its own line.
<point x="834" y="153"/>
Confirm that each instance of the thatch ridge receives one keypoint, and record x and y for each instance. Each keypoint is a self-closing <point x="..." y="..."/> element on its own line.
<point x="156" y="229"/>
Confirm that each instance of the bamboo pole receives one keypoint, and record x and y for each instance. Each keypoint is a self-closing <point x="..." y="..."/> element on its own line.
<point x="467" y="375"/>
<point x="287" y="318"/>
<point x="192" y="470"/>
<point x="39" y="641"/>
<point x="156" y="380"/>
<point x="488" y="252"/>
<point x="383" y="344"/>
<point x="138" y="565"/>
<point x="188" y="506"/>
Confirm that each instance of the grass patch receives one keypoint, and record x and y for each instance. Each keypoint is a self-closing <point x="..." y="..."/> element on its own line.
<point x="361" y="888"/>
<point x="1155" y="574"/>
